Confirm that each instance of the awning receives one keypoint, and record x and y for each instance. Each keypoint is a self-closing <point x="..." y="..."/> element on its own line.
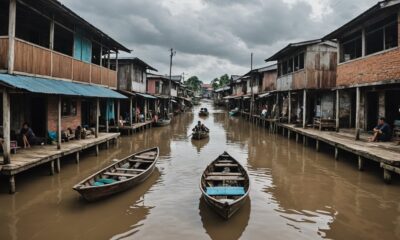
<point x="229" y="97"/>
<point x="57" y="87"/>
<point x="264" y="95"/>
<point x="146" y="95"/>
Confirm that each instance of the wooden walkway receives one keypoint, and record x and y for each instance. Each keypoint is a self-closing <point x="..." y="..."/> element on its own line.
<point x="25" y="159"/>
<point x="136" y="127"/>
<point x="387" y="154"/>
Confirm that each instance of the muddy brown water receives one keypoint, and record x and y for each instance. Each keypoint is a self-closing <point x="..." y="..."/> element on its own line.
<point x="296" y="193"/>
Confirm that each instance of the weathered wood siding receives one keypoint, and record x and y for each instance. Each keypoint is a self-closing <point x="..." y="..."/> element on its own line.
<point x="269" y="81"/>
<point x="284" y="83"/>
<point x="32" y="59"/>
<point x="321" y="64"/>
<point x="3" y="52"/>
<point x="36" y="60"/>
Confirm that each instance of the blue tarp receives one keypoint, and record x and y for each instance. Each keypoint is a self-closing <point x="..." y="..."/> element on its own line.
<point x="58" y="87"/>
<point x="225" y="191"/>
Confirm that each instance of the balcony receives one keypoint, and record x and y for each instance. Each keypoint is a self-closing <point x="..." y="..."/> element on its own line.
<point x="36" y="60"/>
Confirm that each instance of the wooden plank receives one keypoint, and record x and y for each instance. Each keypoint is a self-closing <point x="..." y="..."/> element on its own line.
<point x="140" y="161"/>
<point x="224" y="174"/>
<point x="119" y="174"/>
<point x="130" y="169"/>
<point x="226" y="165"/>
<point x="225" y="178"/>
<point x="143" y="157"/>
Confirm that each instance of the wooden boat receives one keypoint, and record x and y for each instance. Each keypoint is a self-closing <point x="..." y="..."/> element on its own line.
<point x="119" y="176"/>
<point x="197" y="135"/>
<point x="225" y="185"/>
<point x="162" y="122"/>
<point x="233" y="112"/>
<point x="203" y="112"/>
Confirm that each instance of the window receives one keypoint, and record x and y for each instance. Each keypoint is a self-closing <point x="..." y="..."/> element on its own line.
<point x="301" y="61"/>
<point x="381" y="35"/>
<point x="296" y="63"/>
<point x="351" y="47"/>
<point x="285" y="68"/>
<point x="63" y="40"/>
<point x="68" y="107"/>
<point x="290" y="65"/>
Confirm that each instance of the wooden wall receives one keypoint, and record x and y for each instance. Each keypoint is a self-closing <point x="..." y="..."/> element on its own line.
<point x="3" y="52"/>
<point x="36" y="60"/>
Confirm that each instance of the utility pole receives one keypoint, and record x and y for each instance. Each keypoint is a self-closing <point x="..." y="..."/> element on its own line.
<point x="251" y="86"/>
<point x="170" y="80"/>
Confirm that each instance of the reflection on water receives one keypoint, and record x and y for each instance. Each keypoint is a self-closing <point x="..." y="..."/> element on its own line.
<point x="296" y="193"/>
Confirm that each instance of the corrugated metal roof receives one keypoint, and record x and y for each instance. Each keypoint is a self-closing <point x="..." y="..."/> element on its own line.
<point x="146" y="95"/>
<point x="57" y="87"/>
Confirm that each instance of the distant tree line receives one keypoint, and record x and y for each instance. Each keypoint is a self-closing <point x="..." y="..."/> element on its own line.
<point x="193" y="83"/>
<point x="220" y="82"/>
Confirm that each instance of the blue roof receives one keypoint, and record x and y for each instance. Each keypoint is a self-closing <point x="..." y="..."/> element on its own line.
<point x="57" y="87"/>
<point x="146" y="95"/>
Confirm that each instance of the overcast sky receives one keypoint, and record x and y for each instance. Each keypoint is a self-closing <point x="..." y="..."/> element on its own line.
<point x="213" y="37"/>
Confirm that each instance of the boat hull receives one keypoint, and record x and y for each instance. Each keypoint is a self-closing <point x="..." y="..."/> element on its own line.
<point x="162" y="123"/>
<point x="96" y="193"/>
<point x="200" y="135"/>
<point x="226" y="211"/>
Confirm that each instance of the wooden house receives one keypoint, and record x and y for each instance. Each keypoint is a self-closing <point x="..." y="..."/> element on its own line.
<point x="55" y="69"/>
<point x="368" y="71"/>
<point x="306" y="75"/>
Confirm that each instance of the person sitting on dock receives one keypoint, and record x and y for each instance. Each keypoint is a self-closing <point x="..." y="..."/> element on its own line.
<point x="27" y="136"/>
<point x="382" y="132"/>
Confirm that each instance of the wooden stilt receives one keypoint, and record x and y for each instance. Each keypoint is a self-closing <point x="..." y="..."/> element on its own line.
<point x="297" y="137"/>
<point x="52" y="167"/>
<point x="12" y="184"/>
<point x="336" y="153"/>
<point x="304" y="140"/>
<point x="288" y="134"/>
<point x="97" y="114"/>
<point x="77" y="158"/>
<point x="360" y="163"/>
<point x="108" y="144"/>
<point x="317" y="145"/>
<point x="97" y="150"/>
<point x="58" y="165"/>
<point x="387" y="176"/>
<point x="304" y="108"/>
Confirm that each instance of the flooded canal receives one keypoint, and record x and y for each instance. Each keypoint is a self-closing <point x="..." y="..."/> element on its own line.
<point x="296" y="193"/>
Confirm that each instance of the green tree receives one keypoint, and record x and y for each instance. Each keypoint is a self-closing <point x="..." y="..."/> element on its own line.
<point x="220" y="82"/>
<point x="215" y="83"/>
<point x="194" y="83"/>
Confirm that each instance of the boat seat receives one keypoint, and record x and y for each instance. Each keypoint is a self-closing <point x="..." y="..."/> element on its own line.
<point x="140" y="161"/>
<point x="224" y="174"/>
<point x="225" y="161"/>
<point x="226" y="165"/>
<point x="225" y="191"/>
<point x="224" y="178"/>
<point x="119" y="174"/>
<point x="130" y="169"/>
<point x="144" y="157"/>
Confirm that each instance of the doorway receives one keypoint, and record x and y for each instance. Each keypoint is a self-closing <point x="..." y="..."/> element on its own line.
<point x="372" y="109"/>
<point x="39" y="116"/>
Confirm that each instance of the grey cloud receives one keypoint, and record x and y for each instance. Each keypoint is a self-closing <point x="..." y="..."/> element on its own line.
<point x="220" y="33"/>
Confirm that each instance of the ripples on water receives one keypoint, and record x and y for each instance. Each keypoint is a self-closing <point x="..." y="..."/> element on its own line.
<point x="295" y="193"/>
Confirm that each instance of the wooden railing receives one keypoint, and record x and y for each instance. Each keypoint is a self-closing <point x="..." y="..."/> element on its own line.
<point x="37" y="60"/>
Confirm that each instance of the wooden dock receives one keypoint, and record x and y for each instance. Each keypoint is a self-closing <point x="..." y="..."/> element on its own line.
<point x="26" y="159"/>
<point x="387" y="154"/>
<point x="129" y="130"/>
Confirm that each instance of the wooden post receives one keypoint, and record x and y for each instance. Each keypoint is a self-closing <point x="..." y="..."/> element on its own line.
<point x="97" y="114"/>
<point x="118" y="111"/>
<point x="12" y="184"/>
<point x="101" y="56"/>
<point x="336" y="153"/>
<point x="97" y="150"/>
<point x="59" y="123"/>
<point x="6" y="127"/>
<point x="145" y="109"/>
<point x="360" y="163"/>
<point x="58" y="165"/>
<point x="52" y="167"/>
<point x="288" y="134"/>
<point x="109" y="61"/>
<point x="317" y="145"/>
<point x="130" y="112"/>
<point x="304" y="140"/>
<point x="77" y="157"/>
<point x="136" y="116"/>
<point x="304" y="108"/>
<point x="290" y="108"/>
<point x="51" y="40"/>
<point x="11" y="35"/>
<point x="387" y="175"/>
<point x="107" y="118"/>
<point x="337" y="110"/>
<point x="357" y="112"/>
<point x="297" y="137"/>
